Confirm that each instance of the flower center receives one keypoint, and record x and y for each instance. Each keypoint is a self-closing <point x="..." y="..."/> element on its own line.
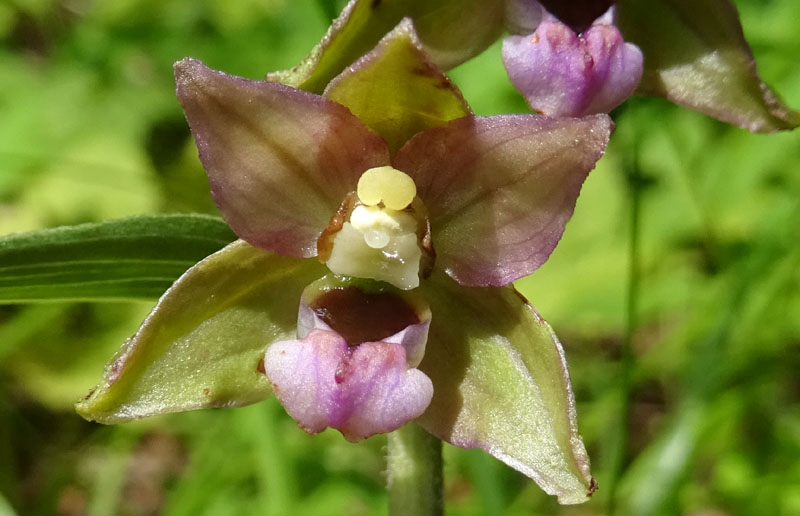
<point x="380" y="238"/>
<point x="386" y="185"/>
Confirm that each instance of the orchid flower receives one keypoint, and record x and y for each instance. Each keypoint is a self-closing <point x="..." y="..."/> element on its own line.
<point x="694" y="53"/>
<point x="396" y="221"/>
<point x="564" y="73"/>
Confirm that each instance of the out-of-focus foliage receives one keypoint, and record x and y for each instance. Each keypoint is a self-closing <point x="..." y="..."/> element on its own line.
<point x="90" y="129"/>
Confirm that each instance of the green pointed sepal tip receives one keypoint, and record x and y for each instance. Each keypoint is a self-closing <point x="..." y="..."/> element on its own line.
<point x="203" y="344"/>
<point x="501" y="385"/>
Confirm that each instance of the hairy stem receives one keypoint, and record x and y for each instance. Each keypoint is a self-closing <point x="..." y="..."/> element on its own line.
<point x="414" y="461"/>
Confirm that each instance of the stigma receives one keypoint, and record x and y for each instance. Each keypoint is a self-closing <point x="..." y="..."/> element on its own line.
<point x="380" y="239"/>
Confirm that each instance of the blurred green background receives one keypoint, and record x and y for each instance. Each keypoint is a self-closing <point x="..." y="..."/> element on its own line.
<point x="707" y="300"/>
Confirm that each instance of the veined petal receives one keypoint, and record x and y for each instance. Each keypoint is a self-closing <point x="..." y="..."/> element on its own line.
<point x="279" y="160"/>
<point x="501" y="385"/>
<point x="500" y="189"/>
<point x="201" y="345"/>
<point x="361" y="391"/>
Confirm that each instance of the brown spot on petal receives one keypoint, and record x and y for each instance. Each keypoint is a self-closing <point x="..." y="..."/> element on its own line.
<point x="344" y="371"/>
<point x="260" y="367"/>
<point x="325" y="241"/>
<point x="428" y="258"/>
<point x="115" y="370"/>
<point x="592" y="487"/>
<point x="360" y="316"/>
<point x="206" y="391"/>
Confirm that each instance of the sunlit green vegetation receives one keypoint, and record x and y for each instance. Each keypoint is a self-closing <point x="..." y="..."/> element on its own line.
<point x="90" y="130"/>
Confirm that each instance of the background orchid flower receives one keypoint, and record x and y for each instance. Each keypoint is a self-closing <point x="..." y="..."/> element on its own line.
<point x="695" y="53"/>
<point x="564" y="73"/>
<point x="492" y="195"/>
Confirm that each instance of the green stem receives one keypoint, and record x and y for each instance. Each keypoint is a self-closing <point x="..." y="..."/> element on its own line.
<point x="627" y="357"/>
<point x="414" y="461"/>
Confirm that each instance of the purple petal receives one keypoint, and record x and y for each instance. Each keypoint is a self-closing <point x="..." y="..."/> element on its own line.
<point x="617" y="67"/>
<point x="361" y="391"/>
<point x="550" y="68"/>
<point x="279" y="160"/>
<point x="500" y="189"/>
<point x="562" y="74"/>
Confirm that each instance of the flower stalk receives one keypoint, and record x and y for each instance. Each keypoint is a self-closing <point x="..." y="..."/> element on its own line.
<point x="414" y="462"/>
<point x="627" y="357"/>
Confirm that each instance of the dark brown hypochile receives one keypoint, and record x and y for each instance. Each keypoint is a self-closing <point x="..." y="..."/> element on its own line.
<point x="360" y="316"/>
<point x="578" y="14"/>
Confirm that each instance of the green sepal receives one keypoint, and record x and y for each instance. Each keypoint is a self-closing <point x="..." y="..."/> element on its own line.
<point x="451" y="31"/>
<point x="696" y="56"/>
<point x="203" y="343"/>
<point x="123" y="259"/>
<point x="501" y="384"/>
<point x="414" y="94"/>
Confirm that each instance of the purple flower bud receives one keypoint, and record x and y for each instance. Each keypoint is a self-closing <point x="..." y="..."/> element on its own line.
<point x="561" y="73"/>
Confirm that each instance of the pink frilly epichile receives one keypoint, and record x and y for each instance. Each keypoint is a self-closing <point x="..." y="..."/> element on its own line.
<point x="562" y="73"/>
<point x="359" y="388"/>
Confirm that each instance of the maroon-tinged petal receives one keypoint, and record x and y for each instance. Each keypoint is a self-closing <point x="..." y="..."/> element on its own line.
<point x="361" y="391"/>
<point x="279" y="160"/>
<point x="563" y="74"/>
<point x="501" y="385"/>
<point x="500" y="189"/>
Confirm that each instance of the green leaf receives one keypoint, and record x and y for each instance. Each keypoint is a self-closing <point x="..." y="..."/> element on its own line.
<point x="123" y="259"/>
<point x="202" y="344"/>
<point x="451" y="31"/>
<point x="414" y="94"/>
<point x="696" y="56"/>
<point x="500" y="384"/>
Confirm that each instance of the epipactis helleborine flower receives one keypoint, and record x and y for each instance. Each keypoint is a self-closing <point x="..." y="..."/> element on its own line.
<point x="564" y="73"/>
<point x="396" y="220"/>
<point x="300" y="175"/>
